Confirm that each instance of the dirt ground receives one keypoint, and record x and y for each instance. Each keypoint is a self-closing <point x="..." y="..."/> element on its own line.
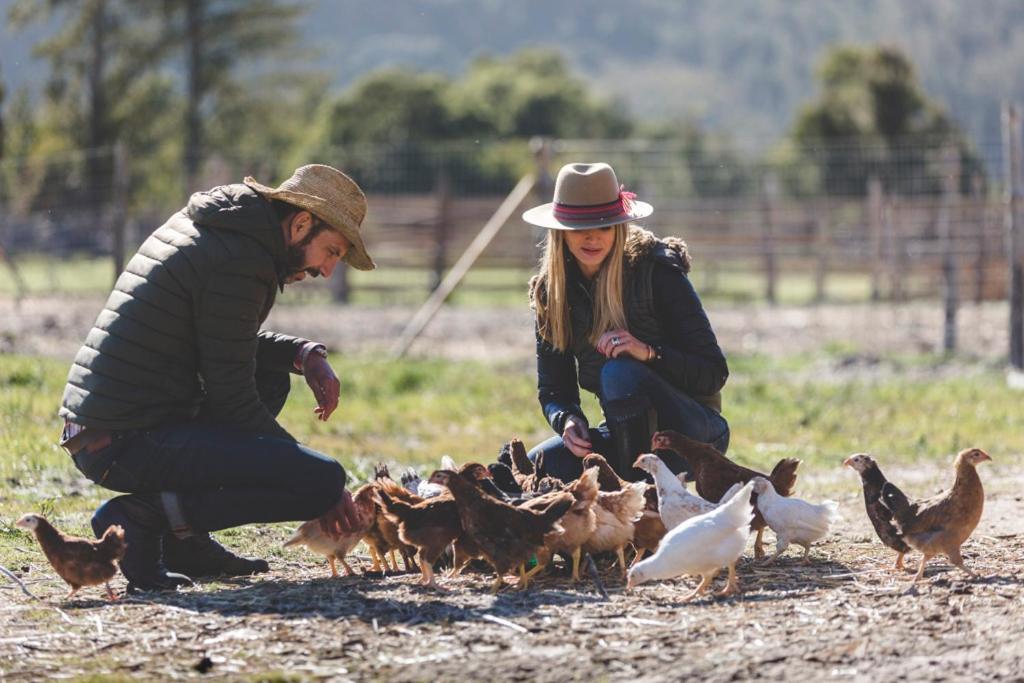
<point x="844" y="616"/>
<point x="55" y="326"/>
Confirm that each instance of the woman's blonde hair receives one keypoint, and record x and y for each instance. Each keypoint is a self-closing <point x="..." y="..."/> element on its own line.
<point x="552" y="305"/>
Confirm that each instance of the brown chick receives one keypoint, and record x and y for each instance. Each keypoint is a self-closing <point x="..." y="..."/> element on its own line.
<point x="649" y="529"/>
<point x="941" y="524"/>
<point x="506" y="536"/>
<point x="382" y="537"/>
<point x="312" y="535"/>
<point x="529" y="478"/>
<point x="79" y="561"/>
<point x="578" y="523"/>
<point x="715" y="474"/>
<point x="428" y="525"/>
<point x="617" y="512"/>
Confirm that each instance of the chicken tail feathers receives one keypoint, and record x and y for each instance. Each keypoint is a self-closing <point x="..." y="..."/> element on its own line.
<point x="549" y="517"/>
<point x="737" y="511"/>
<point x="296" y="539"/>
<point x="521" y="464"/>
<point x="783" y="476"/>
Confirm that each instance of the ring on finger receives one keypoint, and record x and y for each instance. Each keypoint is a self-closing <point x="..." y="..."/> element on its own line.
<point x="615" y="341"/>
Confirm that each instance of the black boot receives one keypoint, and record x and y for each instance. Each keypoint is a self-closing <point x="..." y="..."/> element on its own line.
<point x="631" y="422"/>
<point x="144" y="522"/>
<point x="200" y="555"/>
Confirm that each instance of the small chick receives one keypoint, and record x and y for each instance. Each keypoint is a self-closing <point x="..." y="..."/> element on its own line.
<point x="617" y="514"/>
<point x="79" y="561"/>
<point x="872" y="481"/>
<point x="702" y="545"/>
<point x="793" y="520"/>
<point x="311" y="535"/>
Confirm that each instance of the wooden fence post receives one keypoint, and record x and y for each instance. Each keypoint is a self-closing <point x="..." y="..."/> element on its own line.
<point x="769" y="194"/>
<point x="441" y="223"/>
<point x="950" y="192"/>
<point x="822" y="240"/>
<point x="874" y="210"/>
<point x="979" y="203"/>
<point x="1011" y="194"/>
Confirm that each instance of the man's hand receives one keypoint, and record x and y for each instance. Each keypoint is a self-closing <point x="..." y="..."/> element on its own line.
<point x="576" y="437"/>
<point x="340" y="519"/>
<point x="324" y="383"/>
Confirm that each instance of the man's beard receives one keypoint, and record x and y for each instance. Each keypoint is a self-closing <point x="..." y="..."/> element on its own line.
<point x="295" y="257"/>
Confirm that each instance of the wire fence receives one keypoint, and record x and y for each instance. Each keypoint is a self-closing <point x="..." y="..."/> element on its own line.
<point x="884" y="216"/>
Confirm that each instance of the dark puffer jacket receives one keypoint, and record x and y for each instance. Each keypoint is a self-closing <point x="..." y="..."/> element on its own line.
<point x="662" y="309"/>
<point x="180" y="332"/>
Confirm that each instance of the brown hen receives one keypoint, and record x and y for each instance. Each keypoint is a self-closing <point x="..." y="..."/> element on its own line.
<point x="506" y="536"/>
<point x="941" y="524"/>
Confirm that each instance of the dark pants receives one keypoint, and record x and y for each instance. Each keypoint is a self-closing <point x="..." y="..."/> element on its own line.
<point x="623" y="379"/>
<point x="213" y="477"/>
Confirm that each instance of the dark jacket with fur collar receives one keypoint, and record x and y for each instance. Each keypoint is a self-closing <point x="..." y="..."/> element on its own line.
<point x="662" y="309"/>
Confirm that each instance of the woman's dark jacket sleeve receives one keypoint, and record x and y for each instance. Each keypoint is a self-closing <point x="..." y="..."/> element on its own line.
<point x="691" y="358"/>
<point x="557" y="385"/>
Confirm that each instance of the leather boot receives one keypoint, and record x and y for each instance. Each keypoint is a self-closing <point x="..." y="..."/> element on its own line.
<point x="144" y="522"/>
<point x="200" y="555"/>
<point x="631" y="422"/>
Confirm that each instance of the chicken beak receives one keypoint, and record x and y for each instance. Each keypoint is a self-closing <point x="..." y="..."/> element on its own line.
<point x="848" y="462"/>
<point x="985" y="457"/>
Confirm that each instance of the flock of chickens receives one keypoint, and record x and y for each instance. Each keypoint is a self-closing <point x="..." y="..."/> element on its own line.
<point x="515" y="517"/>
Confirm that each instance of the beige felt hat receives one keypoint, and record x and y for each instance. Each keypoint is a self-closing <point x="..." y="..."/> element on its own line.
<point x="587" y="196"/>
<point x="332" y="197"/>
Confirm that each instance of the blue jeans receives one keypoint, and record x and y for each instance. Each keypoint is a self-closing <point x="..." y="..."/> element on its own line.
<point x="220" y="477"/>
<point x="626" y="378"/>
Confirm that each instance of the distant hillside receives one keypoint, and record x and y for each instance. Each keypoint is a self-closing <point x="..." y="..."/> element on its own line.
<point x="742" y="66"/>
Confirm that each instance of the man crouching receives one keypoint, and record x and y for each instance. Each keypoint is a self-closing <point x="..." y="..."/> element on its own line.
<point x="174" y="395"/>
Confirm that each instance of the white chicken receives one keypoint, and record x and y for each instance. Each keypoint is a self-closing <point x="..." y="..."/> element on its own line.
<point x="702" y="545"/>
<point x="424" y="489"/>
<point x="793" y="520"/>
<point x="675" y="503"/>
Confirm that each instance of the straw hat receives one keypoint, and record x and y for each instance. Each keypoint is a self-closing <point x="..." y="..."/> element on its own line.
<point x="330" y="195"/>
<point x="587" y="196"/>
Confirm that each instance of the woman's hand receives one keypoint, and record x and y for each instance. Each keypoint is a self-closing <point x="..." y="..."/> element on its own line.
<point x="576" y="437"/>
<point x="619" y="343"/>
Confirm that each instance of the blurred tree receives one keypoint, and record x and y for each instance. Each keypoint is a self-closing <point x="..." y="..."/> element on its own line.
<point x="533" y="92"/>
<point x="218" y="36"/>
<point x="101" y="51"/>
<point x="473" y="128"/>
<point x="874" y="119"/>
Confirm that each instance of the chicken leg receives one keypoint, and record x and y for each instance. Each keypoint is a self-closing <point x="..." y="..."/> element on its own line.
<point x="759" y="544"/>
<point x="499" y="583"/>
<point x="705" y="581"/>
<point x="524" y="578"/>
<point x="899" y="562"/>
<point x="334" y="567"/>
<point x="620" y="552"/>
<point x="110" y="592"/>
<point x="576" y="559"/>
<point x="732" y="586"/>
<point x="956" y="559"/>
<point x="920" y="570"/>
<point x="348" y="569"/>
